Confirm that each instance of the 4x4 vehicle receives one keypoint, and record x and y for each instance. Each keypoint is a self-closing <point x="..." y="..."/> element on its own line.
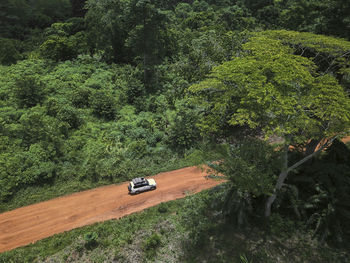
<point x="140" y="184"/>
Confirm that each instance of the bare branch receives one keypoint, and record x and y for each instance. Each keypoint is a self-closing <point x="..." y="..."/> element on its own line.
<point x="326" y="144"/>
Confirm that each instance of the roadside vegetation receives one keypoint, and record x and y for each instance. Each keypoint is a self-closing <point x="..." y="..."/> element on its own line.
<point x="192" y="229"/>
<point x="97" y="92"/>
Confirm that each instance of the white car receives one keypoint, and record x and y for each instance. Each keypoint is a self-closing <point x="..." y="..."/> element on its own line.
<point x="141" y="184"/>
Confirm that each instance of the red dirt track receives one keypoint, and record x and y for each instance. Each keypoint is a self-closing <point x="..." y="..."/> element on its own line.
<point x="28" y="224"/>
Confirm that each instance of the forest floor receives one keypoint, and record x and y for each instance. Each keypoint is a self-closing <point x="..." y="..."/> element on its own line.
<point x="28" y="224"/>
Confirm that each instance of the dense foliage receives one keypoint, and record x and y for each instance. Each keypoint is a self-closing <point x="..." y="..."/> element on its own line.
<point x="99" y="91"/>
<point x="73" y="119"/>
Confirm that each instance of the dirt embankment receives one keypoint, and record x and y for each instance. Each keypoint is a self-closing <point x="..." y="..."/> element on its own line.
<point x="28" y="224"/>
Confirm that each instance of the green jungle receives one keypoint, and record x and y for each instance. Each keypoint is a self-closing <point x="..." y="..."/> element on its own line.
<point x="97" y="92"/>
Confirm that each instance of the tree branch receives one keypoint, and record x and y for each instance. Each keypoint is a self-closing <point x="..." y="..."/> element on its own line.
<point x="297" y="164"/>
<point x="283" y="175"/>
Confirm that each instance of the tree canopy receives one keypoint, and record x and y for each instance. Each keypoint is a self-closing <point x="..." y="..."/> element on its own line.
<point x="271" y="88"/>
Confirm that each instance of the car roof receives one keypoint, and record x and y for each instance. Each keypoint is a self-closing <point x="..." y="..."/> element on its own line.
<point x="138" y="180"/>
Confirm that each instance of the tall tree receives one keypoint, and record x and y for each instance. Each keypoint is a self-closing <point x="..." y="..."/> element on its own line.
<point x="148" y="35"/>
<point x="129" y="31"/>
<point x="107" y="29"/>
<point x="78" y="7"/>
<point x="13" y="18"/>
<point x="270" y="88"/>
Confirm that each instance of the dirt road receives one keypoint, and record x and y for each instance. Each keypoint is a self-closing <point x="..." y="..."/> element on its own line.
<point x="28" y="224"/>
<point x="31" y="223"/>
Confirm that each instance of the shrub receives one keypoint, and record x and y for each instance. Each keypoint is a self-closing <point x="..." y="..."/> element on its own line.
<point x="80" y="97"/>
<point x="183" y="132"/>
<point x="69" y="115"/>
<point x="282" y="227"/>
<point x="28" y="91"/>
<point x="91" y="240"/>
<point x="9" y="52"/>
<point x="103" y="104"/>
<point x="163" y="208"/>
<point x="63" y="111"/>
<point x="151" y="244"/>
<point x="58" y="48"/>
<point x="138" y="149"/>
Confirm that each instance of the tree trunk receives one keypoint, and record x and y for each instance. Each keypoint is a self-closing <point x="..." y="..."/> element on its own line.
<point x="282" y="176"/>
<point x="285" y="170"/>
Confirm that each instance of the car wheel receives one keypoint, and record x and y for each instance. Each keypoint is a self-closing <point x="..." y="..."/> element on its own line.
<point x="137" y="192"/>
<point x="153" y="188"/>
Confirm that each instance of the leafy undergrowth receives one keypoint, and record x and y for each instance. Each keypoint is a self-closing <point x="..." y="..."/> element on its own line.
<point x="186" y="230"/>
